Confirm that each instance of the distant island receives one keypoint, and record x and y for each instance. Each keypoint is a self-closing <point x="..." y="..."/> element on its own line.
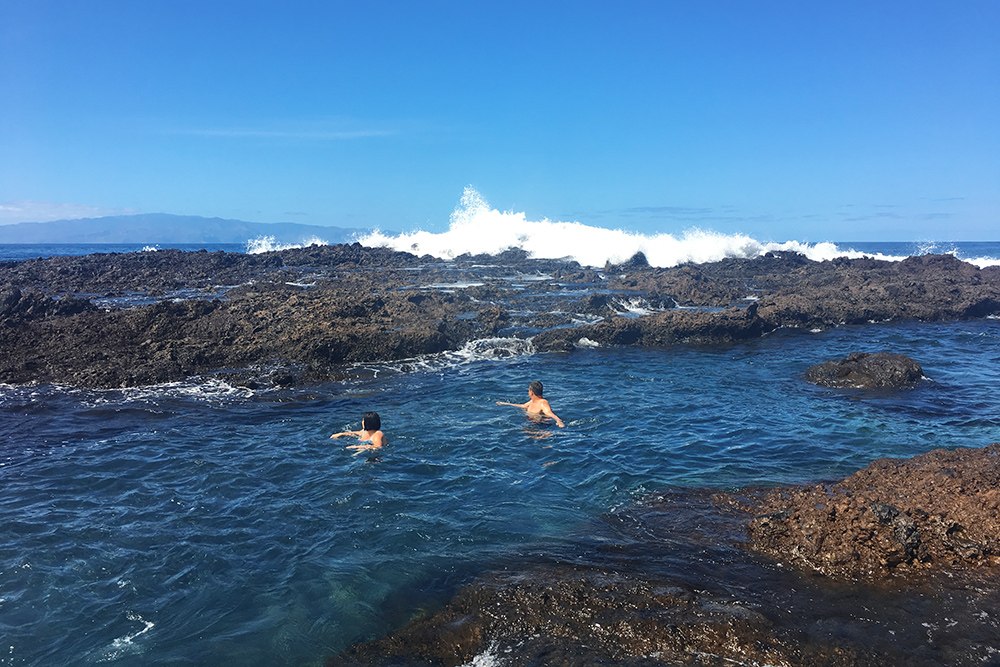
<point x="163" y="228"/>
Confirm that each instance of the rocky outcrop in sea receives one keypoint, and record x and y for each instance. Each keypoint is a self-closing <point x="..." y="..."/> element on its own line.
<point x="937" y="511"/>
<point x="294" y="316"/>
<point x="861" y="370"/>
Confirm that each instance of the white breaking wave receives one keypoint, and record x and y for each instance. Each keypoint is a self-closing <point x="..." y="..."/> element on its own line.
<point x="270" y="244"/>
<point x="483" y="349"/>
<point x="475" y="228"/>
<point x="983" y="262"/>
<point x="126" y="644"/>
<point x="488" y="658"/>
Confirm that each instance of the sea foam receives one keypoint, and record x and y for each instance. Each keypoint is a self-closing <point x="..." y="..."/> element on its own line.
<point x="476" y="228"/>
<point x="263" y="244"/>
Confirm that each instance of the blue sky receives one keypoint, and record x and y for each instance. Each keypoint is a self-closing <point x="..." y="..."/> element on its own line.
<point x="782" y="120"/>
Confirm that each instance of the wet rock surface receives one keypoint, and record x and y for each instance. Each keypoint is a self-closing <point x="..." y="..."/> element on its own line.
<point x="882" y="370"/>
<point x="587" y="616"/>
<point x="113" y="320"/>
<point x="936" y="511"/>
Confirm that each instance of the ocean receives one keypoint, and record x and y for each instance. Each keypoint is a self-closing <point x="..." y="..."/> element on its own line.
<point x="198" y="523"/>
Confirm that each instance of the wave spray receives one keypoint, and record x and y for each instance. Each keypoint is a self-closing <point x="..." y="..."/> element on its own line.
<point x="475" y="228"/>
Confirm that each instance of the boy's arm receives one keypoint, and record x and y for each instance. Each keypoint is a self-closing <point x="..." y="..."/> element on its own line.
<point x="547" y="411"/>
<point x="378" y="439"/>
<point x="363" y="447"/>
<point x="523" y="406"/>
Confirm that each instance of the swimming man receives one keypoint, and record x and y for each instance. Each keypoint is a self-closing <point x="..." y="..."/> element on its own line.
<point x="536" y="405"/>
<point x="370" y="432"/>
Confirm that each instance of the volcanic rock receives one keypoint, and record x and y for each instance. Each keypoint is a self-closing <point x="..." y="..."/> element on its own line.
<point x="111" y="320"/>
<point x="882" y="370"/>
<point x="671" y="580"/>
<point x="586" y="616"/>
<point x="636" y="261"/>
<point x="662" y="329"/>
<point x="939" y="510"/>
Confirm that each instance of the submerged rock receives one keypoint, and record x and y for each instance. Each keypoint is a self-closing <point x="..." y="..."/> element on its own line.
<point x="882" y="370"/>
<point x="565" y="615"/>
<point x="671" y="580"/>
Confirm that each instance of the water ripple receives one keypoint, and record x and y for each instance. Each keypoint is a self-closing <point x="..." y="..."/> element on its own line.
<point x="226" y="527"/>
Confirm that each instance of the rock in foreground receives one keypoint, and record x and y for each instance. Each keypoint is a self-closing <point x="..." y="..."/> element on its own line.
<point x="586" y="616"/>
<point x="939" y="510"/>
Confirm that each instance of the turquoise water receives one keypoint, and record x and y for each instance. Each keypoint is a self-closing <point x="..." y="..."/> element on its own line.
<point x="189" y="525"/>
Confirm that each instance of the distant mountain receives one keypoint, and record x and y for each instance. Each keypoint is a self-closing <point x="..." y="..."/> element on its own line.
<point x="163" y="228"/>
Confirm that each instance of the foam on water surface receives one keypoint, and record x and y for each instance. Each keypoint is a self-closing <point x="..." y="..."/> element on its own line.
<point x="263" y="244"/>
<point x="482" y="349"/>
<point x="476" y="228"/>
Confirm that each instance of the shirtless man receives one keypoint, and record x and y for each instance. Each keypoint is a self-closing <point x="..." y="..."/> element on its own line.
<point x="536" y="405"/>
<point x="370" y="432"/>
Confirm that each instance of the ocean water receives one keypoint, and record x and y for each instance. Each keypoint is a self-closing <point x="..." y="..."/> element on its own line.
<point x="23" y="251"/>
<point x="203" y="525"/>
<point x="200" y="524"/>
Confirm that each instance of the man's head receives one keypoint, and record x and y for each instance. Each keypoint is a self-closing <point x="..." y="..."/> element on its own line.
<point x="535" y="388"/>
<point x="371" y="421"/>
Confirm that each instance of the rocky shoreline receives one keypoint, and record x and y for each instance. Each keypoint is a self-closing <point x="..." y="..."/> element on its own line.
<point x="295" y="316"/>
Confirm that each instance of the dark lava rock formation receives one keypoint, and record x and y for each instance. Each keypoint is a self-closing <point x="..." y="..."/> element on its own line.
<point x="939" y="510"/>
<point x="787" y="290"/>
<point x="113" y="320"/>
<point x="882" y="370"/>
<point x="661" y="329"/>
<point x="585" y="616"/>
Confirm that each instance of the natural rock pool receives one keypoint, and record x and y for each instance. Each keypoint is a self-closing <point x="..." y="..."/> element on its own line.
<point x="211" y="525"/>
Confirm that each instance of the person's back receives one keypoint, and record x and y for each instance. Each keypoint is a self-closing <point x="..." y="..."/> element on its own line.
<point x="371" y="432"/>
<point x="536" y="405"/>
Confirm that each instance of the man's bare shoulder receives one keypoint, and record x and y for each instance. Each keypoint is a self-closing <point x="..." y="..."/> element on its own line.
<point x="537" y="405"/>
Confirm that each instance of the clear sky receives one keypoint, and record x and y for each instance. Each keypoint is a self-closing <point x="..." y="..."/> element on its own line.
<point x="783" y="120"/>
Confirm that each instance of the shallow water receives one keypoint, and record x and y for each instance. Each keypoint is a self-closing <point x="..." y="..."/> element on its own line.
<point x="211" y="526"/>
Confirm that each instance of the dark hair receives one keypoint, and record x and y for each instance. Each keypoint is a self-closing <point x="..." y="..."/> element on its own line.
<point x="536" y="388"/>
<point x="371" y="421"/>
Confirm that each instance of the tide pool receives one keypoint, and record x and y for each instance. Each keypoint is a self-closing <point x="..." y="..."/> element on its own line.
<point x="206" y="525"/>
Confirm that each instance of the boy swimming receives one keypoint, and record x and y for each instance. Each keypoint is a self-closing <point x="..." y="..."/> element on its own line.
<point x="536" y="405"/>
<point x="370" y="432"/>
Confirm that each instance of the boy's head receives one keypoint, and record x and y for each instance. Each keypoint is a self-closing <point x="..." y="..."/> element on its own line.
<point x="535" y="388"/>
<point x="371" y="421"/>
